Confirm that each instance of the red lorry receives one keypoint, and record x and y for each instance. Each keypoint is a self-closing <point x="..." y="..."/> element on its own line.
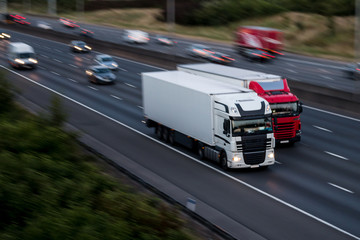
<point x="285" y="106"/>
<point x="260" y="38"/>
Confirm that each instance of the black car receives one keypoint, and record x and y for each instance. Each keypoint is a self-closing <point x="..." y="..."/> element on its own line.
<point x="79" y="46"/>
<point x="221" y="58"/>
<point x="352" y="71"/>
<point x="256" y="55"/>
<point x="100" y="74"/>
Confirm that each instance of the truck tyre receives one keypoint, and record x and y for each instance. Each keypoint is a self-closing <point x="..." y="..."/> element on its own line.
<point x="200" y="150"/>
<point x="223" y="161"/>
<point x="172" y="137"/>
<point x="158" y="131"/>
<point x="165" y="134"/>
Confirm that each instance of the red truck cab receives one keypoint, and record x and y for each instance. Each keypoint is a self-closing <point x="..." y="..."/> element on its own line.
<point x="285" y="107"/>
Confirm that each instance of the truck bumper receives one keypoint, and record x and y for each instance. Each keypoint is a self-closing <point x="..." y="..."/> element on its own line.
<point x="288" y="141"/>
<point x="268" y="160"/>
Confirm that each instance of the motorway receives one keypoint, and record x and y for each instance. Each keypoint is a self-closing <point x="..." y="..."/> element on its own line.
<point x="295" y="67"/>
<point x="312" y="191"/>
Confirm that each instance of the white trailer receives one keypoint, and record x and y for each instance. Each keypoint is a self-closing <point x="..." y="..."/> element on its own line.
<point x="228" y="124"/>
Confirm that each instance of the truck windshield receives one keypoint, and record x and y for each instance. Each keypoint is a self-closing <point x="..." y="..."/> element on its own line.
<point x="290" y="108"/>
<point x="26" y="55"/>
<point x="242" y="127"/>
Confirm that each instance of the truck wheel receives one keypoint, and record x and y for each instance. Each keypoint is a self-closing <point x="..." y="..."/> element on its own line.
<point x="223" y="161"/>
<point x="172" y="137"/>
<point x="158" y="131"/>
<point x="200" y="150"/>
<point x="165" y="134"/>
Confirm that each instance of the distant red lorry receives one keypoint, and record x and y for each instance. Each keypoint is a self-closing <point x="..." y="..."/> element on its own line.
<point x="260" y="38"/>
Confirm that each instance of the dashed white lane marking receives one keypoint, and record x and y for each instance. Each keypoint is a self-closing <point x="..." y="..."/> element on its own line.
<point x="119" y="98"/>
<point x="140" y="107"/>
<point x="278" y="162"/>
<point x="321" y="128"/>
<point x="57" y="60"/>
<point x="44" y="56"/>
<point x="290" y="64"/>
<point x="324" y="70"/>
<point x="70" y="79"/>
<point x="336" y="155"/>
<point x="326" y="77"/>
<point x="122" y="69"/>
<point x="74" y="66"/>
<point x="55" y="73"/>
<point x="128" y="84"/>
<point x="93" y="88"/>
<point x="290" y="70"/>
<point x="344" y="189"/>
<point x="41" y="67"/>
<point x="58" y="50"/>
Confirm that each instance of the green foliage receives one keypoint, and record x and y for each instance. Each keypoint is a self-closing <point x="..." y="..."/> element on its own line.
<point x="50" y="190"/>
<point x="6" y="94"/>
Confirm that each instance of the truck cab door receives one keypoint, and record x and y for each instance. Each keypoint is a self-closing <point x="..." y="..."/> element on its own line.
<point x="222" y="131"/>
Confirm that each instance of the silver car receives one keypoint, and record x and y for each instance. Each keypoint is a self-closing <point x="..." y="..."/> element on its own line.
<point x="106" y="61"/>
<point x="100" y="74"/>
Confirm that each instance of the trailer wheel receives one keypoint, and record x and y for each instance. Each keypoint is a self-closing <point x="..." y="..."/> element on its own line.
<point x="223" y="161"/>
<point x="200" y="150"/>
<point x="158" y="131"/>
<point x="172" y="137"/>
<point x="165" y="134"/>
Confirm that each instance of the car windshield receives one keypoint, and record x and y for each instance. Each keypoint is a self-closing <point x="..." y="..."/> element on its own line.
<point x="241" y="127"/>
<point x="289" y="108"/>
<point x="107" y="59"/>
<point x="80" y="44"/>
<point x="101" y="70"/>
<point x="26" y="55"/>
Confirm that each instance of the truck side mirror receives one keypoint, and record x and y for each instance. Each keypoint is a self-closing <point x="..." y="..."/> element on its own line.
<point x="300" y="107"/>
<point x="226" y="126"/>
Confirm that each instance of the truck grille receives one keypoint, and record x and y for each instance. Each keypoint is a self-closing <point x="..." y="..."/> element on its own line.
<point x="253" y="148"/>
<point x="285" y="130"/>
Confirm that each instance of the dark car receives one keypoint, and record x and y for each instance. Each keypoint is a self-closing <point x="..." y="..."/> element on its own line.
<point x="100" y="74"/>
<point x="256" y="55"/>
<point x="165" y="40"/>
<point x="79" y="46"/>
<point x="352" y="71"/>
<point x="16" y="18"/>
<point x="199" y="50"/>
<point x="86" y="33"/>
<point x="68" y="23"/>
<point x="220" y="58"/>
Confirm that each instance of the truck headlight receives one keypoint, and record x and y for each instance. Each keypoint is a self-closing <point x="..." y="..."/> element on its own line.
<point x="236" y="159"/>
<point x="271" y="155"/>
<point x="87" y="47"/>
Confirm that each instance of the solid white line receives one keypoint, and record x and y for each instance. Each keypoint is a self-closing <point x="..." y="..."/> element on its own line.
<point x="56" y="60"/>
<point x="335" y="114"/>
<point x="72" y="80"/>
<point x="93" y="88"/>
<point x="55" y="73"/>
<point x="128" y="84"/>
<point x="337" y="186"/>
<point x="321" y="128"/>
<point x="335" y="155"/>
<point x="71" y="65"/>
<point x="116" y="97"/>
<point x="188" y="156"/>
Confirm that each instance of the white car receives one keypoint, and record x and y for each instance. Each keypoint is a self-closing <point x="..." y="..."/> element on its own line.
<point x="106" y="61"/>
<point x="43" y="25"/>
<point x="136" y="36"/>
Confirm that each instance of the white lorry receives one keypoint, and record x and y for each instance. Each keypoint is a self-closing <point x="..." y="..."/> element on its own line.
<point x="21" y="55"/>
<point x="230" y="125"/>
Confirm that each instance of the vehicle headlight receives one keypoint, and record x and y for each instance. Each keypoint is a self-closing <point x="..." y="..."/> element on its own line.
<point x="33" y="60"/>
<point x="78" y="48"/>
<point x="236" y="159"/>
<point x="1" y="36"/>
<point x="87" y="47"/>
<point x="267" y="107"/>
<point x="114" y="65"/>
<point x="6" y="35"/>
<point x="19" y="61"/>
<point x="271" y="155"/>
<point x="88" y="72"/>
